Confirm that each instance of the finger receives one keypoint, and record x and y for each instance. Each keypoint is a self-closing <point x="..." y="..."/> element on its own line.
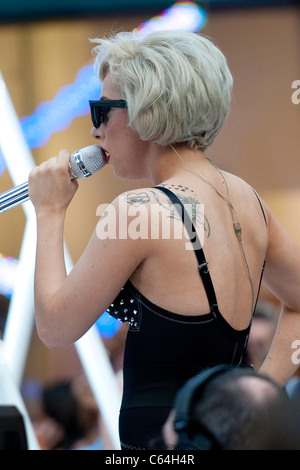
<point x="64" y="156"/>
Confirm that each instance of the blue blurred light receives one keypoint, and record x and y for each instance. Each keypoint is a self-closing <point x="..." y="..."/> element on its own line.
<point x="107" y="325"/>
<point x="8" y="268"/>
<point x="2" y="162"/>
<point x="71" y="101"/>
<point x="185" y="16"/>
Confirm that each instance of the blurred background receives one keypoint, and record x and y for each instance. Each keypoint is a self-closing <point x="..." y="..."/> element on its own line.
<point x="46" y="64"/>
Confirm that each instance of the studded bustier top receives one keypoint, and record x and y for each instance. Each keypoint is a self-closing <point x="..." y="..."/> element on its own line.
<point x="163" y="349"/>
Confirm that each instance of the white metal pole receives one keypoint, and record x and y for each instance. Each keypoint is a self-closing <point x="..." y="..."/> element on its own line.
<point x="20" y="318"/>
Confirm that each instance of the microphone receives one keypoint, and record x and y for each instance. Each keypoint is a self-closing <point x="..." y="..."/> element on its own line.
<point x="83" y="163"/>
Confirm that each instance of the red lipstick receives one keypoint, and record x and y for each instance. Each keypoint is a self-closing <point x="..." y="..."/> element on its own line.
<point x="107" y="155"/>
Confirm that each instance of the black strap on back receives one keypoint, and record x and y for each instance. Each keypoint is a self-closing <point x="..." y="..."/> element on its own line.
<point x="202" y="263"/>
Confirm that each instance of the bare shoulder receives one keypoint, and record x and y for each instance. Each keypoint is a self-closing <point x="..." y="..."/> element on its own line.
<point x="129" y="216"/>
<point x="246" y="196"/>
<point x="142" y="197"/>
<point x="237" y="183"/>
<point x="146" y="200"/>
<point x="136" y="197"/>
<point x="157" y="201"/>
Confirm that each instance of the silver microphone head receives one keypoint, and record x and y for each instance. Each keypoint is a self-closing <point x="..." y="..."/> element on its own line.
<point x="87" y="161"/>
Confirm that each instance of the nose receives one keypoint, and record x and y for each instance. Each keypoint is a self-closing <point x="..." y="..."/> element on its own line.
<point x="95" y="133"/>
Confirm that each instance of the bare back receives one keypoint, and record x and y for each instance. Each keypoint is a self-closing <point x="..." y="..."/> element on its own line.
<point x="170" y="279"/>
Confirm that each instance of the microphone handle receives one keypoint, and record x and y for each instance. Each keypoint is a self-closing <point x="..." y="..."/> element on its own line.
<point x="13" y="197"/>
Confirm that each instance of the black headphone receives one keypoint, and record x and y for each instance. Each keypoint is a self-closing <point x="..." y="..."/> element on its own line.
<point x="197" y="437"/>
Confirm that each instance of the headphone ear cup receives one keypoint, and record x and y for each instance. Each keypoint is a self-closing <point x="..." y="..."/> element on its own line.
<point x="201" y="438"/>
<point x="198" y="442"/>
<point x="184" y="442"/>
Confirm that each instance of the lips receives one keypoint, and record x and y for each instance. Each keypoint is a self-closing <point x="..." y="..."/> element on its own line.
<point x="106" y="155"/>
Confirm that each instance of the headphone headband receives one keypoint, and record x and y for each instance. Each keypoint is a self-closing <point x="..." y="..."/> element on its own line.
<point x="184" y="401"/>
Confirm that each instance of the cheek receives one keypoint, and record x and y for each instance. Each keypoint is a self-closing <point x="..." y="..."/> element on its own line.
<point x="123" y="138"/>
<point x="116" y="130"/>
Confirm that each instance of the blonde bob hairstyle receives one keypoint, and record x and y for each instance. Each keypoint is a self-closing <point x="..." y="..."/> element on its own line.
<point x="177" y="84"/>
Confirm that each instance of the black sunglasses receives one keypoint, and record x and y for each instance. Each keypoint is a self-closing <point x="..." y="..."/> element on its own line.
<point x="101" y="108"/>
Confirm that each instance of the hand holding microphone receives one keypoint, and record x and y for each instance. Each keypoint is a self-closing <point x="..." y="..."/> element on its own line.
<point x="83" y="163"/>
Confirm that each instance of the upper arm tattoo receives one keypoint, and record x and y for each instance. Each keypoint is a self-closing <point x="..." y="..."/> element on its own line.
<point x="190" y="202"/>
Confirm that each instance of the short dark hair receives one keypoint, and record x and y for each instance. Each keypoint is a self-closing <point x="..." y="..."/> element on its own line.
<point x="237" y="417"/>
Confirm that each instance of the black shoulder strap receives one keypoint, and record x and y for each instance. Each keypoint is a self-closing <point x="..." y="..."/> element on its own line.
<point x="202" y="263"/>
<point x="262" y="272"/>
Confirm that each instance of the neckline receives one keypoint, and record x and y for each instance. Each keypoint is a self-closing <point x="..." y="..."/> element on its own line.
<point x="192" y="319"/>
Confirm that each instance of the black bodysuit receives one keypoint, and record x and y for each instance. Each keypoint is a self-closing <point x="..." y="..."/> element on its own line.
<point x="164" y="349"/>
